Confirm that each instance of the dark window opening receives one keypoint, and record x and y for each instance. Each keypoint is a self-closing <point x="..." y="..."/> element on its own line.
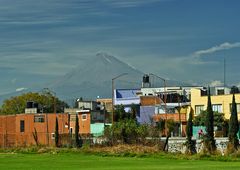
<point x="22" y="128"/>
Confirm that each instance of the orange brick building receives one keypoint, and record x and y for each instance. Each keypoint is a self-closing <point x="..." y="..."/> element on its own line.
<point x="19" y="130"/>
<point x="84" y="118"/>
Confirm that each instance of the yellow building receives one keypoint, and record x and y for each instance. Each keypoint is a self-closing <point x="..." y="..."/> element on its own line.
<point x="220" y="103"/>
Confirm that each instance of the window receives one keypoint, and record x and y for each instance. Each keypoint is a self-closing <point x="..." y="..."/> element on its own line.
<point x="220" y="92"/>
<point x="170" y="110"/>
<point x="73" y="117"/>
<point x="198" y="109"/>
<point x="217" y="108"/>
<point x="84" y="116"/>
<point x="52" y="135"/>
<point x="22" y="126"/>
<point x="39" y="118"/>
<point x="238" y="107"/>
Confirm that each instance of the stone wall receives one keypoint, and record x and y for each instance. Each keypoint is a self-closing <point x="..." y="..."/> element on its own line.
<point x="177" y="145"/>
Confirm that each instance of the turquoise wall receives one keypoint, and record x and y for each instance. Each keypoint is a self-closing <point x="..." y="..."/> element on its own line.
<point x="97" y="129"/>
<point x="196" y="129"/>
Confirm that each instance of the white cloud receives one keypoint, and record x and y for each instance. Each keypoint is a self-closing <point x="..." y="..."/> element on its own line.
<point x="223" y="46"/>
<point x="21" y="89"/>
<point x="215" y="83"/>
<point x="130" y="3"/>
<point x="196" y="57"/>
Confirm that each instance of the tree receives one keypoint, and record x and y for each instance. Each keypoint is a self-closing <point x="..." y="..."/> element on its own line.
<point x="233" y="126"/>
<point x="234" y="90"/>
<point x="200" y="119"/>
<point x="17" y="104"/>
<point x="78" y="142"/>
<point x="56" y="133"/>
<point x="133" y="112"/>
<point x="171" y="124"/>
<point x="119" y="113"/>
<point x="190" y="126"/>
<point x="190" y="143"/>
<point x="127" y="131"/>
<point x="209" y="141"/>
<point x="160" y="125"/>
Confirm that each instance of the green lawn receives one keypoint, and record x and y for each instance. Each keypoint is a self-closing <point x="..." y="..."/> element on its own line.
<point x="89" y="162"/>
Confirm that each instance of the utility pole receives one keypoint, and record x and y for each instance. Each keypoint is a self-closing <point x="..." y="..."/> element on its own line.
<point x="179" y="117"/>
<point x="54" y="110"/>
<point x="224" y="74"/>
<point x="55" y="106"/>
<point x="165" y="96"/>
<point x="113" y="93"/>
<point x="104" y="112"/>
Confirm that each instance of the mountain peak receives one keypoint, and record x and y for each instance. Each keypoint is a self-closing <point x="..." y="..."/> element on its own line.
<point x="105" y="56"/>
<point x="93" y="77"/>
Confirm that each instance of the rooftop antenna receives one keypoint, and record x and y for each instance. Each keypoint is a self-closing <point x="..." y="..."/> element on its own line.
<point x="224" y="74"/>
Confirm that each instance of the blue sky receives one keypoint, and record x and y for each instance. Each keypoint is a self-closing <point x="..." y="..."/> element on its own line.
<point x="184" y="40"/>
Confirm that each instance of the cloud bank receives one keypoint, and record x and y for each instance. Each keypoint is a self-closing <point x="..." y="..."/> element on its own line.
<point x="223" y="46"/>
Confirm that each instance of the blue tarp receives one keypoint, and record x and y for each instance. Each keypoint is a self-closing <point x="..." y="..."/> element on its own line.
<point x="126" y="93"/>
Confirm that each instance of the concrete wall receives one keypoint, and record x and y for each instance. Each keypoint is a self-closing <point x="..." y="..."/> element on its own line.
<point x="97" y="129"/>
<point x="177" y="145"/>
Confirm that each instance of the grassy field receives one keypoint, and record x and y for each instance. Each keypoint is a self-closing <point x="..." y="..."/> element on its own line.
<point x="90" y="162"/>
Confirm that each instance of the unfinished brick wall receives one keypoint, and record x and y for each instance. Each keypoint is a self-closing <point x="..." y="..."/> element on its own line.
<point x="12" y="134"/>
<point x="7" y="130"/>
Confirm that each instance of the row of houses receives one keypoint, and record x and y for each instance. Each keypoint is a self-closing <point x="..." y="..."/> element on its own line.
<point x="175" y="103"/>
<point x="152" y="103"/>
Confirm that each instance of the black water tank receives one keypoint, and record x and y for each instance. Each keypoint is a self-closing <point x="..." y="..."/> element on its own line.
<point x="146" y="78"/>
<point x="35" y="105"/>
<point x="30" y="104"/>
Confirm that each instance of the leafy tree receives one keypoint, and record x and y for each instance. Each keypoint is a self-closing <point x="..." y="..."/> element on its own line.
<point x="200" y="119"/>
<point x="160" y="125"/>
<point x="190" y="143"/>
<point x="17" y="104"/>
<point x="190" y="126"/>
<point x="171" y="124"/>
<point x="234" y="90"/>
<point x="209" y="141"/>
<point x="78" y="142"/>
<point x="56" y="133"/>
<point x="233" y="126"/>
<point x="120" y="113"/>
<point x="126" y="131"/>
<point x="133" y="112"/>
